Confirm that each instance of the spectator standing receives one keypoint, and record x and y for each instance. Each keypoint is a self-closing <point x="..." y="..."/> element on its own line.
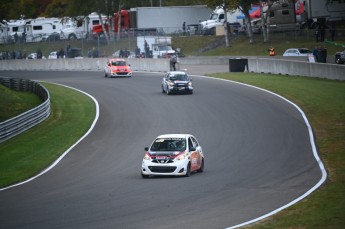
<point x="39" y="54"/>
<point x="121" y="53"/>
<point x="126" y="53"/>
<point x="316" y="53"/>
<point x="184" y="28"/>
<point x="137" y="52"/>
<point x="173" y="61"/>
<point x="332" y="30"/>
<point x="322" y="32"/>
<point x="61" y="53"/>
<point x="317" y="33"/>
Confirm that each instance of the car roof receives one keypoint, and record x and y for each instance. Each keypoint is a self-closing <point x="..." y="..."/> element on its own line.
<point x="297" y="49"/>
<point x="116" y="59"/>
<point x="174" y="136"/>
<point x="177" y="73"/>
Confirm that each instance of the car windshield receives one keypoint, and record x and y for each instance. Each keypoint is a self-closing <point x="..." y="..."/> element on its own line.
<point x="181" y="77"/>
<point x="214" y="16"/>
<point x="118" y="63"/>
<point x="304" y="51"/>
<point x="164" y="48"/>
<point x="169" y="144"/>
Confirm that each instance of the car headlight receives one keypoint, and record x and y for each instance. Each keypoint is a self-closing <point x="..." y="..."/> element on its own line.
<point x="189" y="84"/>
<point x="171" y="83"/>
<point x="181" y="156"/>
<point x="147" y="156"/>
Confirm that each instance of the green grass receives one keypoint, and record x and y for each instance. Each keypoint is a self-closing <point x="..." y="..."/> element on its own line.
<point x="323" y="101"/>
<point x="240" y="46"/>
<point x="29" y="153"/>
<point x="14" y="103"/>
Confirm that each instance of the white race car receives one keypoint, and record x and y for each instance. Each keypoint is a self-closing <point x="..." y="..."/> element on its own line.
<point x="173" y="154"/>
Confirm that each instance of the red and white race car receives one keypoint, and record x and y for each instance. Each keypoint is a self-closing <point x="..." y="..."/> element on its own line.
<point x="173" y="154"/>
<point x="117" y="68"/>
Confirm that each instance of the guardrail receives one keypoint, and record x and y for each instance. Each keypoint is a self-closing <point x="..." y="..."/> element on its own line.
<point x="294" y="66"/>
<point x="137" y="64"/>
<point x="28" y="119"/>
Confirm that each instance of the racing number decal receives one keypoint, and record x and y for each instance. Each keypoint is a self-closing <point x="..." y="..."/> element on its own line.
<point x="195" y="160"/>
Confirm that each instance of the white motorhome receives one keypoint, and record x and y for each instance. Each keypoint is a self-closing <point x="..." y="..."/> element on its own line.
<point x="9" y="28"/>
<point x="80" y="27"/>
<point x="217" y="19"/>
<point x="36" y="29"/>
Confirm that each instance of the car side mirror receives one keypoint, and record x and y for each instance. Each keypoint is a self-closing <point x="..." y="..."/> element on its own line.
<point x="146" y="148"/>
<point x="192" y="149"/>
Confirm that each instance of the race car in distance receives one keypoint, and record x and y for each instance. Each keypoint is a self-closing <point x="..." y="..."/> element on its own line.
<point x="173" y="154"/>
<point x="117" y="68"/>
<point x="178" y="82"/>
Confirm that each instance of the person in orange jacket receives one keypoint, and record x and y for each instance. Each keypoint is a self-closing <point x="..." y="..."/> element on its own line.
<point x="271" y="51"/>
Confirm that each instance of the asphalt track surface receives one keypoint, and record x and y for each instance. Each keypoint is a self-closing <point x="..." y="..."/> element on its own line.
<point x="258" y="158"/>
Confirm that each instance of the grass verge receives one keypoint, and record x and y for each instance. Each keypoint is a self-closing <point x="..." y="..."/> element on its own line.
<point x="14" y="103"/>
<point x="323" y="101"/>
<point x="29" y="153"/>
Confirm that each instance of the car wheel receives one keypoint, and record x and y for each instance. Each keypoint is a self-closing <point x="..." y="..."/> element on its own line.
<point x="144" y="176"/>
<point x="163" y="91"/>
<point x="72" y="37"/>
<point x="191" y="92"/>
<point x="188" y="171"/>
<point x="202" y="166"/>
<point x="105" y="74"/>
<point x="168" y="91"/>
<point x="338" y="61"/>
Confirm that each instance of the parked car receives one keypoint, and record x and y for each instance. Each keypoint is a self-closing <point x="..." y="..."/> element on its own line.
<point x="32" y="56"/>
<point x="117" y="67"/>
<point x="177" y="82"/>
<point x="297" y="52"/>
<point x="53" y="55"/>
<point x="51" y="37"/>
<point x="340" y="57"/>
<point x="173" y="154"/>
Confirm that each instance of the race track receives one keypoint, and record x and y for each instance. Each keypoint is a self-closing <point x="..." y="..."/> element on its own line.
<point x="258" y="157"/>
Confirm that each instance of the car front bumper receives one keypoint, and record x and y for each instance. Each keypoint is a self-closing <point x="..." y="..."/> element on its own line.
<point x="180" y="89"/>
<point x="120" y="74"/>
<point x="177" y="168"/>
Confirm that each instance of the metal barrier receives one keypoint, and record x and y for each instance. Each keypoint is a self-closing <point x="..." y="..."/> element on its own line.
<point x="28" y="119"/>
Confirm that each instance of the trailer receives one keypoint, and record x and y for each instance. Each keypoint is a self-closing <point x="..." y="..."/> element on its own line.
<point x="321" y="12"/>
<point x="164" y="20"/>
<point x="325" y="9"/>
<point x="168" y="19"/>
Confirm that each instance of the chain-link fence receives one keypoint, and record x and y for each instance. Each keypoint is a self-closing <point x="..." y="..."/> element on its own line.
<point x="130" y="41"/>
